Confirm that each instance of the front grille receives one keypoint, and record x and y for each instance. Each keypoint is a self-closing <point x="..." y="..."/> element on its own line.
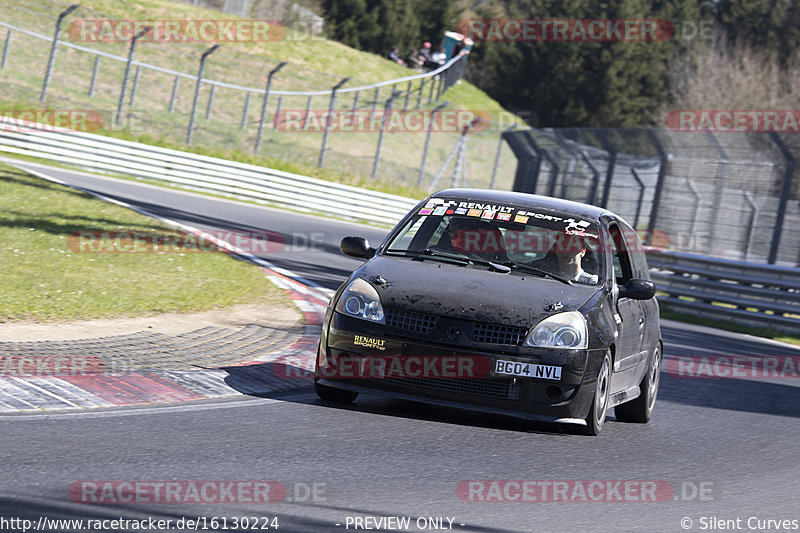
<point x="410" y="320"/>
<point x="497" y="334"/>
<point x="497" y="388"/>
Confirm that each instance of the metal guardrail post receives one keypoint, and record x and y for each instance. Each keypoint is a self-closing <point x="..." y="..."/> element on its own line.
<point x="197" y="91"/>
<point x="329" y="118"/>
<point x="430" y="91"/>
<point x="127" y="74"/>
<point x="264" y="104"/>
<point x="51" y="61"/>
<point x="419" y="96"/>
<point x="245" y="111"/>
<point x="6" y="48"/>
<point x="428" y="142"/>
<point x="174" y="94"/>
<point x="786" y="191"/>
<point x="95" y="69"/>
<point x="408" y="93"/>
<point x="662" y="174"/>
<point x="497" y="155"/>
<point x="387" y="109"/>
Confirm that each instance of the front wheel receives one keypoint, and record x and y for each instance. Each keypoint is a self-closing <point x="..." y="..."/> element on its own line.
<point x="599" y="408"/>
<point x="640" y="409"/>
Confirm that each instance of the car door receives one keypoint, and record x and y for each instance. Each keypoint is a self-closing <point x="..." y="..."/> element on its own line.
<point x="629" y="314"/>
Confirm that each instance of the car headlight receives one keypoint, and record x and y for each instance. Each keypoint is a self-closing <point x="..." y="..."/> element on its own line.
<point x="563" y="330"/>
<point x="361" y="300"/>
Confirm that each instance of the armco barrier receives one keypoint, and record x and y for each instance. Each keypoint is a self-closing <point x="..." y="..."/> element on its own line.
<point x="751" y="294"/>
<point x="210" y="174"/>
<point x="746" y="293"/>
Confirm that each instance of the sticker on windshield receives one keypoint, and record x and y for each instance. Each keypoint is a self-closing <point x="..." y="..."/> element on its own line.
<point x="474" y="213"/>
<point x="521" y="219"/>
<point x="488" y="215"/>
<point x="504" y="216"/>
<point x="425" y="211"/>
<point x="461" y="211"/>
<point x="439" y="211"/>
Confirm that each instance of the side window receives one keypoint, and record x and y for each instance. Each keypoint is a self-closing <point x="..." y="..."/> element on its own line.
<point x="620" y="256"/>
<point x="636" y="253"/>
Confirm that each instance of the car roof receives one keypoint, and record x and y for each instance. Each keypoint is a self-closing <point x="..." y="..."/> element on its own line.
<point x="527" y="200"/>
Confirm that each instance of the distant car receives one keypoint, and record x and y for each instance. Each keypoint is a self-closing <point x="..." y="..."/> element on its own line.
<point x="502" y="302"/>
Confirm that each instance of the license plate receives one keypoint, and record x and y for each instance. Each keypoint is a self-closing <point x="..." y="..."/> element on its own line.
<point x="528" y="370"/>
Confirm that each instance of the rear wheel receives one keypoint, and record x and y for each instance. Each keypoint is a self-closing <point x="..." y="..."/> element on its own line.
<point x="597" y="413"/>
<point x="640" y="409"/>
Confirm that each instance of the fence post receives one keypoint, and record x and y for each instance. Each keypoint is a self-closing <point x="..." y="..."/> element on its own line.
<point x="497" y="155"/>
<point x="641" y="197"/>
<point x="786" y="190"/>
<point x="210" y="104"/>
<point x="5" y="50"/>
<point x="245" y="111"/>
<point x="419" y="96"/>
<point x="408" y="93"/>
<point x="174" y="94"/>
<point x="308" y="110"/>
<point x="590" y="198"/>
<point x="50" y="62"/>
<point x="428" y="142"/>
<point x="387" y="108"/>
<point x="719" y="186"/>
<point x="264" y="104"/>
<point x="612" y="164"/>
<point x="277" y="113"/>
<point x="328" y="119"/>
<point x="375" y="100"/>
<point x="128" y="73"/>
<point x="662" y="174"/>
<point x="433" y="84"/>
<point x="197" y="91"/>
<point x="753" y="217"/>
<point x="355" y="106"/>
<point x="94" y="75"/>
<point x="135" y="85"/>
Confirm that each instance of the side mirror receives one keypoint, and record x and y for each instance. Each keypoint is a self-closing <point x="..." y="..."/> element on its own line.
<point x="638" y="289"/>
<point x="356" y="247"/>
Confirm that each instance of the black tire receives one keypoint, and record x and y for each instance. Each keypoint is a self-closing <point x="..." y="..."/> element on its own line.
<point x="640" y="409"/>
<point x="334" y="395"/>
<point x="597" y="412"/>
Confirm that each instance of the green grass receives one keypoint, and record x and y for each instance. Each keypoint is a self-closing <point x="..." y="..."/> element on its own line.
<point x="45" y="279"/>
<point x="730" y="326"/>
<point x="312" y="64"/>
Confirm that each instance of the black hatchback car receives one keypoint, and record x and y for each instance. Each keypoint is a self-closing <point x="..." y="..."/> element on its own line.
<point x="503" y="302"/>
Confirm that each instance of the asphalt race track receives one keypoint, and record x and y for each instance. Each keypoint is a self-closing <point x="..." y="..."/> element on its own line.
<point x="718" y="448"/>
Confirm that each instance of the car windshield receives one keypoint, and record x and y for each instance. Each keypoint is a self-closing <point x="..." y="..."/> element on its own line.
<point x="539" y="242"/>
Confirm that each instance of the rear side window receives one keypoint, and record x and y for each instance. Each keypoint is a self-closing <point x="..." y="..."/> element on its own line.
<point x="636" y="253"/>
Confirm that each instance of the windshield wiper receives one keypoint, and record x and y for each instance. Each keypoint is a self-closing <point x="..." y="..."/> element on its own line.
<point x="463" y="259"/>
<point x="533" y="270"/>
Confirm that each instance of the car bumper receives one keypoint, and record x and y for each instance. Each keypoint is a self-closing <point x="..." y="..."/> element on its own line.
<point x="368" y="358"/>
